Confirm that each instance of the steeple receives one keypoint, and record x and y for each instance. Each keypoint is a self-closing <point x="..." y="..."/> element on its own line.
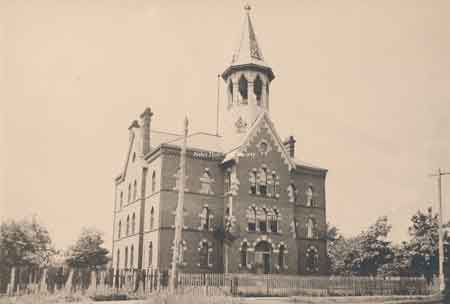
<point x="248" y="79"/>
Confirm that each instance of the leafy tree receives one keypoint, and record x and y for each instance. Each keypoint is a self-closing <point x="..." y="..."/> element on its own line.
<point x="24" y="243"/>
<point x="88" y="251"/>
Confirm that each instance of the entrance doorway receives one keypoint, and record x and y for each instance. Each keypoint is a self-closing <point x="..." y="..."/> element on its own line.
<point x="263" y="257"/>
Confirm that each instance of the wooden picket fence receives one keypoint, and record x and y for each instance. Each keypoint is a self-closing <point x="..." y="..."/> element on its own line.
<point x="213" y="284"/>
<point x="145" y="282"/>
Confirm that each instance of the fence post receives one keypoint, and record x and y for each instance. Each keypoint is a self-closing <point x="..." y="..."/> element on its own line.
<point x="68" y="286"/>
<point x="12" y="282"/>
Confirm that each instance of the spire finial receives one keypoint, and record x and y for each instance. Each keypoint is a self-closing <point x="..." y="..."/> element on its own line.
<point x="247" y="7"/>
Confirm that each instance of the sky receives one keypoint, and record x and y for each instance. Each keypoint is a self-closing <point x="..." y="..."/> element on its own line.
<point x="362" y="85"/>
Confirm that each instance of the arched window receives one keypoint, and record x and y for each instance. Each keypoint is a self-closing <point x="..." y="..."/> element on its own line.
<point x="276" y="184"/>
<point x="292" y="193"/>
<point x="273" y="220"/>
<point x="252" y="180"/>
<point x="204" y="254"/>
<point x="150" y="254"/>
<point x="228" y="181"/>
<point x="263" y="181"/>
<point x="132" y="257"/>
<point x="121" y="199"/>
<point x="244" y="251"/>
<point x="153" y="181"/>
<point x="133" y="224"/>
<point x="152" y="217"/>
<point x="309" y="197"/>
<point x="125" y="264"/>
<point x="312" y="259"/>
<point x="129" y="192"/>
<point x="251" y="217"/>
<point x="206" y="182"/>
<point x="282" y="257"/>
<point x="205" y="218"/>
<point x="263" y="220"/>
<point x="230" y="91"/>
<point x="310" y="228"/>
<point x="257" y="89"/>
<point x="118" y="259"/>
<point x="128" y="225"/>
<point x="243" y="88"/>
<point x="134" y="190"/>
<point x="119" y="232"/>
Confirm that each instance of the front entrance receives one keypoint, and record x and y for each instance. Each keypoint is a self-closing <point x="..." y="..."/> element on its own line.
<point x="263" y="257"/>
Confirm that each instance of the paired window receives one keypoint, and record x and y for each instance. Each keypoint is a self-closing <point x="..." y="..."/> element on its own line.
<point x="309" y="197"/>
<point x="206" y="219"/>
<point x="206" y="182"/>
<point x="282" y="256"/>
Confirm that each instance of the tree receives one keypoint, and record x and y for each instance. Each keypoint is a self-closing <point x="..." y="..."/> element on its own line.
<point x="88" y="251"/>
<point x="24" y="243"/>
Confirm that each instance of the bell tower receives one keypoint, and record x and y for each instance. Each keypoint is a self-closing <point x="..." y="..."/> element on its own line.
<point x="247" y="81"/>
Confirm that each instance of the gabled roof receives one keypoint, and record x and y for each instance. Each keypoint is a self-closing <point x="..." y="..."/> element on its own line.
<point x="262" y="121"/>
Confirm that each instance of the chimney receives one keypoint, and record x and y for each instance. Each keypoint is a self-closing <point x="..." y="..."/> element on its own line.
<point x="134" y="124"/>
<point x="289" y="145"/>
<point x="146" y="119"/>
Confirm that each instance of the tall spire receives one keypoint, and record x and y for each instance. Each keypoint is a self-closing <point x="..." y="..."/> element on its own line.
<point x="248" y="51"/>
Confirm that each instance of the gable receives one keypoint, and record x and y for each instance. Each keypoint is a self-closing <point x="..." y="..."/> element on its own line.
<point x="262" y="123"/>
<point x="132" y="156"/>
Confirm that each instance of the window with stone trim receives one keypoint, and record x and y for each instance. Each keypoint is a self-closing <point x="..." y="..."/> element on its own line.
<point x="228" y="180"/>
<point x="134" y="190"/>
<point x="152" y="218"/>
<point x="311" y="228"/>
<point x="263" y="181"/>
<point x="206" y="218"/>
<point x="205" y="254"/>
<point x="263" y="220"/>
<point x="133" y="224"/>
<point x="150" y="254"/>
<point x="292" y="193"/>
<point x="119" y="232"/>
<point x="273" y="220"/>
<point x="153" y="181"/>
<point x="132" y="257"/>
<point x="243" y="89"/>
<point x="251" y="218"/>
<point x="312" y="259"/>
<point x="128" y="226"/>
<point x="257" y="89"/>
<point x="282" y="256"/>
<point x="244" y="252"/>
<point x="309" y="196"/>
<point x="206" y="182"/>
<point x="252" y="180"/>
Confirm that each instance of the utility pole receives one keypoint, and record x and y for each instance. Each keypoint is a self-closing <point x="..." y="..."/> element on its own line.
<point x="441" y="233"/>
<point x="177" y="242"/>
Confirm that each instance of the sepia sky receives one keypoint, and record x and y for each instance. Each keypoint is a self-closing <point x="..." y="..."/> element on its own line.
<point x="363" y="86"/>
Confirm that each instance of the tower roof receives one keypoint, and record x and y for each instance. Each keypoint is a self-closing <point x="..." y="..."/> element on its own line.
<point x="248" y="54"/>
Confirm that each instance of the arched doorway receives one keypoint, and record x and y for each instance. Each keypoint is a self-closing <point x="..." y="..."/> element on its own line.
<point x="263" y="257"/>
